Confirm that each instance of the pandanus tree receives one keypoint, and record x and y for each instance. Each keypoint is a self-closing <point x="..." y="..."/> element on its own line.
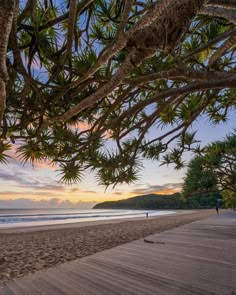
<point x="214" y="170"/>
<point x="198" y="179"/>
<point x="101" y="84"/>
<point x="220" y="158"/>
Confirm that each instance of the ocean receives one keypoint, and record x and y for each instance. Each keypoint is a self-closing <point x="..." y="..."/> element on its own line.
<point x="10" y="218"/>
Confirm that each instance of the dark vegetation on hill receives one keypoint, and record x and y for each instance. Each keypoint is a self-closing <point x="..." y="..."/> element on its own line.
<point x="154" y="201"/>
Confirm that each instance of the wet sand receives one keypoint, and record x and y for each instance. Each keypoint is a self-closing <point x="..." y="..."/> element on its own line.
<point x="28" y="250"/>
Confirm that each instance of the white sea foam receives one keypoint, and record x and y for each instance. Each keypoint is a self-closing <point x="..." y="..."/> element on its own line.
<point x="22" y="218"/>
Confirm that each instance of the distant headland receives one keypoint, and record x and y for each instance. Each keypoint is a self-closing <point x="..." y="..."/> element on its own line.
<point x="155" y="201"/>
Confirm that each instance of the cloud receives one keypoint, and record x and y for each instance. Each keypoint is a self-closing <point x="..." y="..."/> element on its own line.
<point x="49" y="187"/>
<point x="76" y="189"/>
<point x="36" y="193"/>
<point x="6" y="176"/>
<point x="19" y="177"/>
<point x="45" y="165"/>
<point x="167" y="188"/>
<point x="11" y="193"/>
<point x="23" y="179"/>
<point x="54" y="203"/>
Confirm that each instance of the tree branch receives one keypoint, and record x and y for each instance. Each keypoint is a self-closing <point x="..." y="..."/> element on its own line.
<point x="217" y="84"/>
<point x="229" y="14"/>
<point x="185" y="74"/>
<point x="227" y="45"/>
<point x="27" y="11"/>
<point x="71" y="26"/>
<point x="223" y="3"/>
<point x="219" y="38"/>
<point x="125" y="15"/>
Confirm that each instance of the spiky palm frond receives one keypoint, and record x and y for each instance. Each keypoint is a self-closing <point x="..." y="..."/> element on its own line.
<point x="166" y="160"/>
<point x="153" y="151"/>
<point x="32" y="152"/>
<point x="85" y="60"/>
<point x="4" y="147"/>
<point x="71" y="172"/>
<point x="188" y="139"/>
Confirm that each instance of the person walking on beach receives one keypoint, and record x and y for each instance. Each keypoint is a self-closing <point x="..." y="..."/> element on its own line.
<point x="217" y="210"/>
<point x="147" y="215"/>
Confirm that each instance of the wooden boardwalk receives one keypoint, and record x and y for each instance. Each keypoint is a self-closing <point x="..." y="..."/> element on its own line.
<point x="198" y="258"/>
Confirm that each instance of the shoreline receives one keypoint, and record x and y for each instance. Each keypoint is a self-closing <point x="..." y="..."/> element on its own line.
<point x="75" y="224"/>
<point x="27" y="251"/>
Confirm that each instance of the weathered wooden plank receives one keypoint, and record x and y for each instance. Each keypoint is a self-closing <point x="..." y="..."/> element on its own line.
<point x="92" y="282"/>
<point x="219" y="257"/>
<point x="162" y="252"/>
<point x="146" y="283"/>
<point x="27" y="285"/>
<point x="4" y="290"/>
<point x="170" y="275"/>
<point x="102" y="282"/>
<point x="16" y="289"/>
<point x="194" y="242"/>
<point x="47" y="287"/>
<point x="63" y="284"/>
<point x="78" y="282"/>
<point x="119" y="279"/>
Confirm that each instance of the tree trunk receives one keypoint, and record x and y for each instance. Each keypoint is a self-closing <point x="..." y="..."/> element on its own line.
<point x="166" y="31"/>
<point x="6" y="17"/>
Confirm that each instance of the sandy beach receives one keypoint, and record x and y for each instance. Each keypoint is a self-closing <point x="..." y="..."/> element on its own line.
<point x="26" y="251"/>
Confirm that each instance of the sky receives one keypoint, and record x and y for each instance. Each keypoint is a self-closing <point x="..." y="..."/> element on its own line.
<point x="24" y="186"/>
